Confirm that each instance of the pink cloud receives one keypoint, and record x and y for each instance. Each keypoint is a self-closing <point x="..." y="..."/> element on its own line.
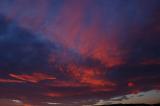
<point x="33" y="78"/>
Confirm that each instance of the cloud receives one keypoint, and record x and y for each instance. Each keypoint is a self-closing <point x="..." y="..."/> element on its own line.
<point x="10" y="102"/>
<point x="148" y="62"/>
<point x="33" y="78"/>
<point x="90" y="76"/>
<point x="78" y="49"/>
<point x="14" y="102"/>
<point x="148" y="97"/>
<point x="21" y="49"/>
<point x="17" y="101"/>
<point x="55" y="94"/>
<point x="10" y="81"/>
<point x="65" y="84"/>
<point x="53" y="103"/>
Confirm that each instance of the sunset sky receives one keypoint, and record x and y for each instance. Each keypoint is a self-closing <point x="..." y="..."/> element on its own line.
<point x="79" y="52"/>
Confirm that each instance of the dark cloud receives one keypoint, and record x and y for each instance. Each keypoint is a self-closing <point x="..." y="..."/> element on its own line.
<point x="21" y="49"/>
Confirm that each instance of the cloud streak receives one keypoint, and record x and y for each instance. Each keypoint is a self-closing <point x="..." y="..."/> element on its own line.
<point x="33" y="78"/>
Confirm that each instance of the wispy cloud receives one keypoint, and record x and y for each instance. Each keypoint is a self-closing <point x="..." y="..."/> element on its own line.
<point x="34" y="78"/>
<point x="10" y="81"/>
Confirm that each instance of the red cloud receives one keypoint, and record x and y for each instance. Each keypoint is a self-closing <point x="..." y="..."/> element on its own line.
<point x="131" y="84"/>
<point x="151" y="61"/>
<point x="86" y="39"/>
<point x="58" y="83"/>
<point x="65" y="94"/>
<point x="34" y="78"/>
<point x="10" y="81"/>
<point x="87" y="91"/>
<point x="54" y="94"/>
<point x="102" y="89"/>
<point x="89" y="76"/>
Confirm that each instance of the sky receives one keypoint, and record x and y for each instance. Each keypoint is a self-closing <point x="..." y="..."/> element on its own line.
<point x="79" y="52"/>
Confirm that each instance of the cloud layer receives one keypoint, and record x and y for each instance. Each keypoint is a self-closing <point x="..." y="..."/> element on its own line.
<point x="75" y="50"/>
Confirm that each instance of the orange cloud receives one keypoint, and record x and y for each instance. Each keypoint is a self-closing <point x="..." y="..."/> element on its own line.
<point x="27" y="105"/>
<point x="34" y="78"/>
